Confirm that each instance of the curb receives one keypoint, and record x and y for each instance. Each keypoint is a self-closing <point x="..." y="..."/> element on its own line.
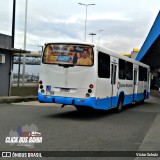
<point x="15" y="99"/>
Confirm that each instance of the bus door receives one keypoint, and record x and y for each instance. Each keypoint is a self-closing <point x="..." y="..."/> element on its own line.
<point x="135" y="84"/>
<point x="113" y="83"/>
<point x="149" y="81"/>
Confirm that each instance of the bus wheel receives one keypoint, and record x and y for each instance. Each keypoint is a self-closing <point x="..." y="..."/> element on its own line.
<point x="119" y="105"/>
<point x="144" y="97"/>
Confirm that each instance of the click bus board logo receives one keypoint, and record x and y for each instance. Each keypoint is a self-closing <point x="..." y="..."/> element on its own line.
<point x="24" y="136"/>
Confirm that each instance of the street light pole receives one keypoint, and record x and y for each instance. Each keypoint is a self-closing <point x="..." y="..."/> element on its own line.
<point x="99" y="36"/>
<point x="25" y="25"/>
<point x="24" y="56"/>
<point x="13" y="22"/>
<point x="85" y="25"/>
<point x="92" y="34"/>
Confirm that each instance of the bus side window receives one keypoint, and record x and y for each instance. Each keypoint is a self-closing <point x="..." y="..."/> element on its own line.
<point x="145" y="74"/>
<point x="121" y="69"/>
<point x="103" y="65"/>
<point x="141" y="74"/>
<point x="129" y="71"/>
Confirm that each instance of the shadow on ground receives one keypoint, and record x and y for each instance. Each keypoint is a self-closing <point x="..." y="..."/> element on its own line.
<point x="93" y="114"/>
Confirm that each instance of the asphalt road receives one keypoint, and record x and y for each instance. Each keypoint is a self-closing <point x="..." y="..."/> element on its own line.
<point x="137" y="128"/>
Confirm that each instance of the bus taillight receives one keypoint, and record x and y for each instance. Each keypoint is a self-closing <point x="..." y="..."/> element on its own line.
<point x="40" y="82"/>
<point x="89" y="91"/>
<point x="91" y="86"/>
<point x="42" y="91"/>
<point x="87" y="95"/>
<point x="41" y="86"/>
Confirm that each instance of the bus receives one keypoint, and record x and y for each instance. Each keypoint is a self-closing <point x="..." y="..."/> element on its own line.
<point x="87" y="75"/>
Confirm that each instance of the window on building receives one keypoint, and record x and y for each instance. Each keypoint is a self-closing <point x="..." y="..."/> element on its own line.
<point x="103" y="65"/>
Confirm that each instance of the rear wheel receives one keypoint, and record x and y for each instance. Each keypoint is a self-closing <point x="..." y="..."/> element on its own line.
<point x="119" y="105"/>
<point x="144" y="97"/>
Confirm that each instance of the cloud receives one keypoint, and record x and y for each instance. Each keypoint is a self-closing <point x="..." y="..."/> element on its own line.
<point x="125" y="23"/>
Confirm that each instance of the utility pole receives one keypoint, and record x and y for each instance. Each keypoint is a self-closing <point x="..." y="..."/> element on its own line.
<point x="24" y="55"/>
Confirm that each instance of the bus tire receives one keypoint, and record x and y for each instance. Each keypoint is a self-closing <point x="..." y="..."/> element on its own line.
<point x="119" y="105"/>
<point x="144" y="97"/>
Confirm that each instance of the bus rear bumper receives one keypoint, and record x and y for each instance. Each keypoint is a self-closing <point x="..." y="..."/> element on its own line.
<point x="90" y="102"/>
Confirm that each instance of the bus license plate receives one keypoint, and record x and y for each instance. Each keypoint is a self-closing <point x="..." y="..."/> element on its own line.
<point x="64" y="90"/>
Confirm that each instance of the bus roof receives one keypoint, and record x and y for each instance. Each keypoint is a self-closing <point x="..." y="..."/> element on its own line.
<point x="74" y="42"/>
<point x="120" y="56"/>
<point x="103" y="49"/>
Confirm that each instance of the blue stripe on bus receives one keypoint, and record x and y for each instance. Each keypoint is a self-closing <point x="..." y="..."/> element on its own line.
<point x="138" y="97"/>
<point x="67" y="100"/>
<point x="103" y="103"/>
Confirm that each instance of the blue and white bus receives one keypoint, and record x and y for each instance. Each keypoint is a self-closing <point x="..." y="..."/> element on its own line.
<point x="88" y="75"/>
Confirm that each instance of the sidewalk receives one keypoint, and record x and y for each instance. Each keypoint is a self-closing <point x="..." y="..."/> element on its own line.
<point x="16" y="99"/>
<point x="155" y="93"/>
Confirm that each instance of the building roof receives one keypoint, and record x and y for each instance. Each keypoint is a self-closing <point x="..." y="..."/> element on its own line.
<point x="150" y="50"/>
<point x="13" y="50"/>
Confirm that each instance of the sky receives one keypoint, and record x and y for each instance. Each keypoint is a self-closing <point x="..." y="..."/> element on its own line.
<point x="125" y="23"/>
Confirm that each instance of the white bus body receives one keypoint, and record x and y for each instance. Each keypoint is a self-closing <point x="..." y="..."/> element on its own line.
<point x="111" y="81"/>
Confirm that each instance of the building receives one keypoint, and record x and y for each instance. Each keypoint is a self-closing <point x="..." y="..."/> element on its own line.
<point x="6" y="63"/>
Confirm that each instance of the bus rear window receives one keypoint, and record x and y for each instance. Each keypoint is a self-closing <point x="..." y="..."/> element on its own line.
<point x="68" y="54"/>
